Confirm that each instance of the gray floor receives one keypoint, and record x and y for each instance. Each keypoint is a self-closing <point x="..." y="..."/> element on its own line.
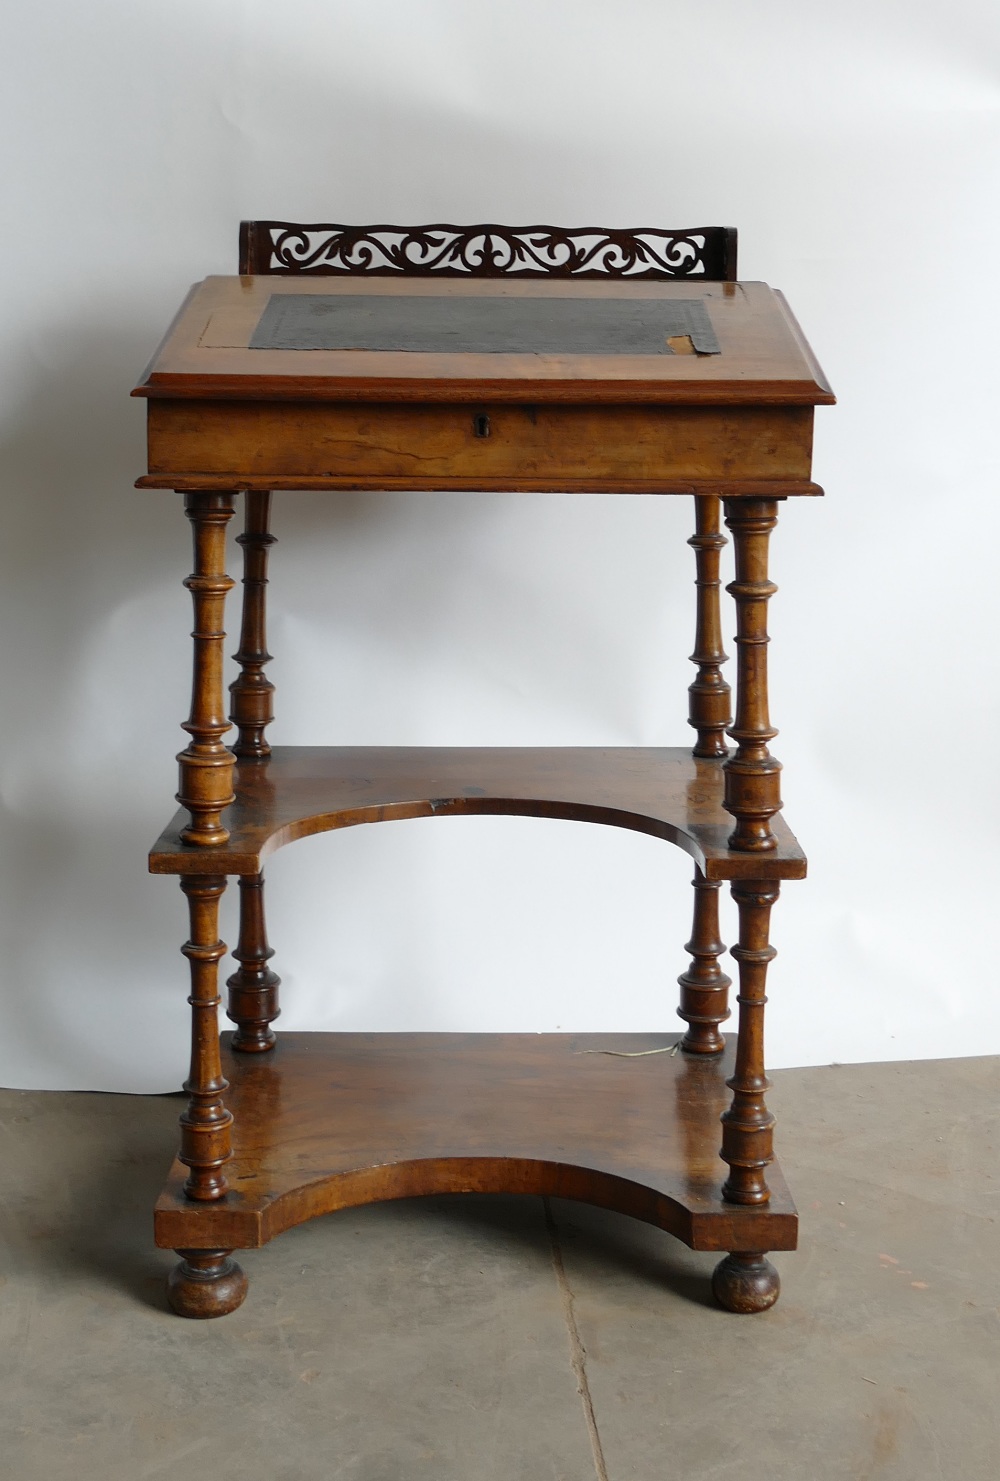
<point x="501" y="1339"/>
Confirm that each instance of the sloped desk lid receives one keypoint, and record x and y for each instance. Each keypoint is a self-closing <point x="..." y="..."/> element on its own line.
<point x="523" y="341"/>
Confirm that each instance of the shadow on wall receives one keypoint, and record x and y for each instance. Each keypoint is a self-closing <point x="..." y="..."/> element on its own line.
<point x="81" y="547"/>
<point x="436" y="595"/>
<point x="97" y="674"/>
<point x="174" y="130"/>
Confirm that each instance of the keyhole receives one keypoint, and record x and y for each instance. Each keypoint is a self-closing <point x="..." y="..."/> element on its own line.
<point x="481" y="426"/>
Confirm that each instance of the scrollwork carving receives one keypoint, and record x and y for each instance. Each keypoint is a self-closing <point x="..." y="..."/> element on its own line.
<point x="487" y="251"/>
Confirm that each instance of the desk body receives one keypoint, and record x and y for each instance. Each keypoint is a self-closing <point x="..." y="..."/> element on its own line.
<point x="280" y="1130"/>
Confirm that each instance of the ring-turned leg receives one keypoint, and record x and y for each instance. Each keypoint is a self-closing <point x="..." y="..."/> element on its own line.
<point x="704" y="986"/>
<point x="752" y="774"/>
<point x="206" y="1144"/>
<point x="745" y="1282"/>
<point x="748" y="1126"/>
<point x="253" y="990"/>
<point x="252" y="694"/>
<point x="709" y="694"/>
<point x="206" y="1283"/>
<point x="206" y="766"/>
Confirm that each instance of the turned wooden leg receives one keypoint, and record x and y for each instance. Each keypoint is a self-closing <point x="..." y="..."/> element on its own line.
<point x="206" y="766"/>
<point x="704" y="986"/>
<point x="253" y="990"/>
<point x="206" y="1283"/>
<point x="745" y="1282"/>
<point x="709" y="695"/>
<point x="752" y="774"/>
<point x="206" y="1124"/>
<point x="748" y="1126"/>
<point x="252" y="694"/>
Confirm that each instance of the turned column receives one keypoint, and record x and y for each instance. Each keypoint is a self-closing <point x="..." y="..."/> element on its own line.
<point x="253" y="990"/>
<point x="747" y="1126"/>
<point x="704" y="986"/>
<point x="709" y="695"/>
<point x="205" y="1125"/>
<point x="252" y="694"/>
<point x="206" y="766"/>
<point x="752" y="774"/>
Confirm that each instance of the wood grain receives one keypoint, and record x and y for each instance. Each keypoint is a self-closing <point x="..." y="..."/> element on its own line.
<point x="330" y="1121"/>
<point x="205" y="766"/>
<point x="252" y="693"/>
<point x="206" y="1123"/>
<point x="748" y="1126"/>
<point x="370" y="446"/>
<point x="253" y="988"/>
<point x="704" y="1003"/>
<point x="709" y="696"/>
<point x="729" y="488"/>
<point x="303" y="790"/>
<point x="753" y="775"/>
<point x="764" y="358"/>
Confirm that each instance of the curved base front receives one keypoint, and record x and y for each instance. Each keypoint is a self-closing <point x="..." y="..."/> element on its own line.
<point x="331" y="1121"/>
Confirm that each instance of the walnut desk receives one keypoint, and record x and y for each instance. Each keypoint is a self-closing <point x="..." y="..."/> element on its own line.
<point x="703" y="389"/>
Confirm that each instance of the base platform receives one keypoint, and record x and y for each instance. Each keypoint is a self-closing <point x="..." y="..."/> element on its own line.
<point x="330" y="1121"/>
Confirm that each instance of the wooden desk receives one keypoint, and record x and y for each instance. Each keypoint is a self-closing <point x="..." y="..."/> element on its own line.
<point x="279" y="1131"/>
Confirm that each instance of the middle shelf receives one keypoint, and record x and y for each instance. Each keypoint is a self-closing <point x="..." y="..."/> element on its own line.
<point x="302" y="790"/>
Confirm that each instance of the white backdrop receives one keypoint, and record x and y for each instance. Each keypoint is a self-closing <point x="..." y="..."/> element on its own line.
<point x="856" y="148"/>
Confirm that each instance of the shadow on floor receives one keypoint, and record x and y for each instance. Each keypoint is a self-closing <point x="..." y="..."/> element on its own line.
<point x="89" y="1168"/>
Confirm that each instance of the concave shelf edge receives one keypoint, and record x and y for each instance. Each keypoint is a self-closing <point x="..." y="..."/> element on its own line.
<point x="328" y="1121"/>
<point x="179" y="1223"/>
<point x="304" y="790"/>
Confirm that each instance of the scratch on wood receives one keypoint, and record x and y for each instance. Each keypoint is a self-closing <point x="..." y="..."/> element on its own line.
<point x="670" y="1049"/>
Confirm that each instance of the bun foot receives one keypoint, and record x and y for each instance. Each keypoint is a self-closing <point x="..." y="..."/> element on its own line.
<point x="745" y="1283"/>
<point x="206" y="1283"/>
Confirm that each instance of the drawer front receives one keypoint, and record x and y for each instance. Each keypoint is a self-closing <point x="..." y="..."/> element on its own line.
<point x="496" y="447"/>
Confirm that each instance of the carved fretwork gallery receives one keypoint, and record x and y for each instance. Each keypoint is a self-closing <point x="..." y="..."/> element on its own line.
<point x="278" y="1129"/>
<point x="490" y="251"/>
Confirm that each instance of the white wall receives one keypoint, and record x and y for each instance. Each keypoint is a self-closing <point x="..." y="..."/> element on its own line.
<point x="856" y="149"/>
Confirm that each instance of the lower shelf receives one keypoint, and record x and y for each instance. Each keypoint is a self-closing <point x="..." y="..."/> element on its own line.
<point x="331" y="1121"/>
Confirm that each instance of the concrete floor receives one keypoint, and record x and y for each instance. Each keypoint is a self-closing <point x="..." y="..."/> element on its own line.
<point x="500" y="1340"/>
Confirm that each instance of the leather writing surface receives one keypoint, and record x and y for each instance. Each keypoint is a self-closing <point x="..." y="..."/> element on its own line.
<point x="497" y="325"/>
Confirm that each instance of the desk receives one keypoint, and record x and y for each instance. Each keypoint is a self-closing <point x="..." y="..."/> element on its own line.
<point x="626" y="388"/>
